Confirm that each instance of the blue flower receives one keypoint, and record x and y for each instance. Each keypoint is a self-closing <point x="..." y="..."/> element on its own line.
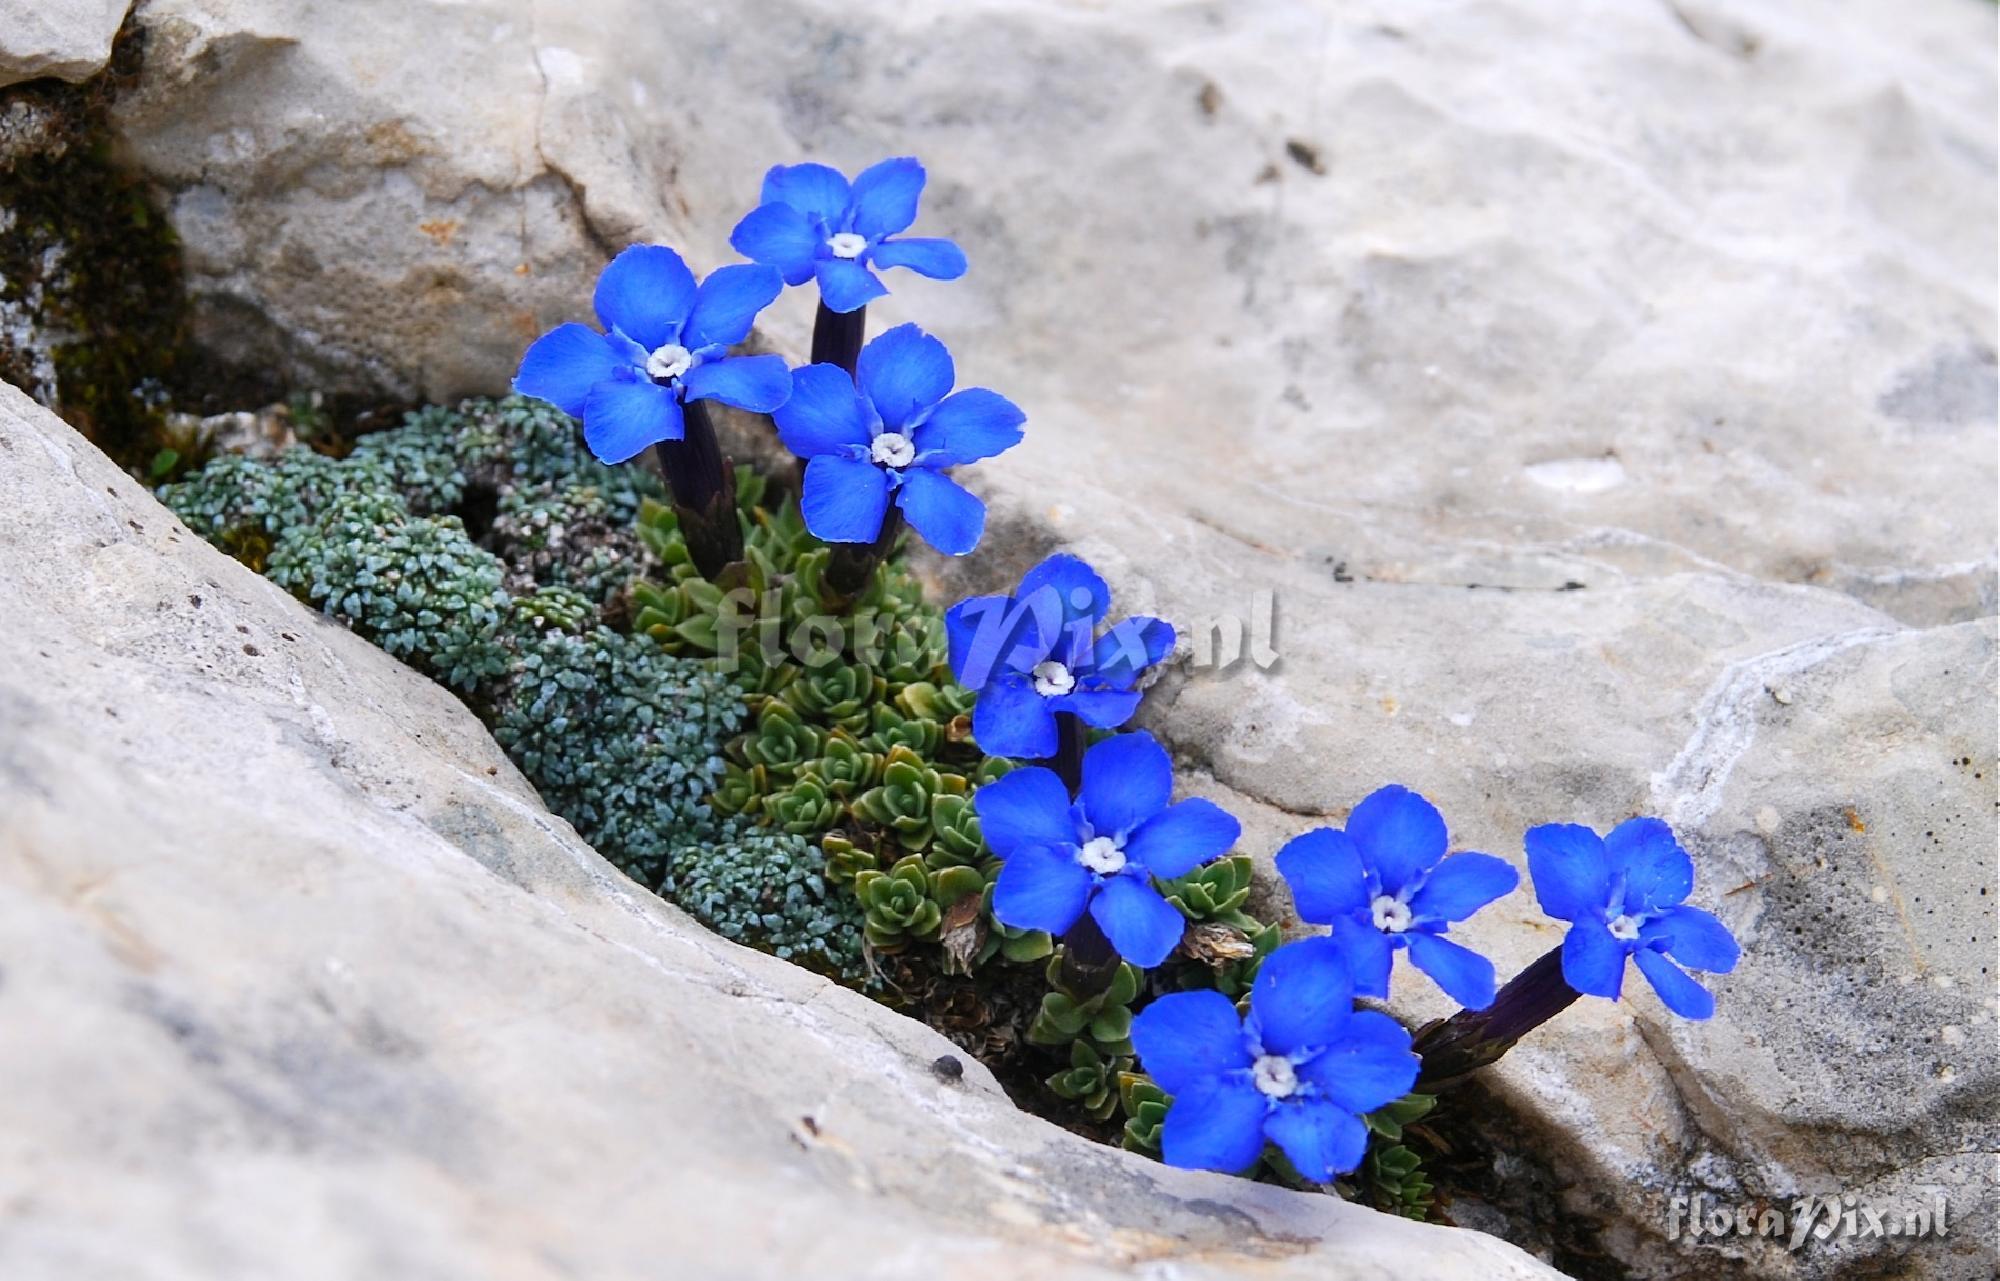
<point x="1300" y="1070"/>
<point x="812" y="224"/>
<point x="1623" y="895"/>
<point x="1036" y="653"/>
<point x="1385" y="884"/>
<point x="893" y="429"/>
<point x="664" y="343"/>
<point x="1102" y="851"/>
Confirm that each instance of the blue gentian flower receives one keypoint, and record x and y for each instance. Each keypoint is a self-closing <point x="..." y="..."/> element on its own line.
<point x="812" y="224"/>
<point x="1624" y="896"/>
<point x="893" y="429"/>
<point x="1300" y="1070"/>
<point x="1385" y="884"/>
<point x="665" y="340"/>
<point x="1100" y="852"/>
<point x="1036" y="653"/>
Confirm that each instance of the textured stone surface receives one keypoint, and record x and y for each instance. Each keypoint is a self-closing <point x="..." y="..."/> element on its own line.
<point x="301" y="981"/>
<point x="68" y="39"/>
<point x="1604" y="392"/>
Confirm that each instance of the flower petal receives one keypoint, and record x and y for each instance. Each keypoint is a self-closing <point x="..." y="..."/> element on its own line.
<point x="1143" y="926"/>
<point x="1303" y="996"/>
<point x="1571" y="871"/>
<point x="1657" y="872"/>
<point x="1694" y="938"/>
<point x="970" y="425"/>
<point x="1465" y="975"/>
<point x="885" y="196"/>
<point x="813" y="189"/>
<point x="1065" y="590"/>
<point x="845" y="285"/>
<point x="1399" y="834"/>
<point x="823" y="413"/>
<point x="564" y="364"/>
<point x="1676" y="990"/>
<point x="1041" y="887"/>
<point x="1324" y="871"/>
<point x="1215" y="1125"/>
<point x="1011" y="719"/>
<point x="1023" y="808"/>
<point x="757" y="383"/>
<point x="1371" y="954"/>
<point x="844" y="499"/>
<point x="728" y="301"/>
<point x="1182" y="837"/>
<point x="1461" y="885"/>
<point x="1130" y="647"/>
<point x="1593" y="962"/>
<point x="937" y="258"/>
<point x="904" y="372"/>
<point x="1321" y="1141"/>
<point x="1126" y="780"/>
<point x="1370" y="1065"/>
<point x="1186" y="1038"/>
<point x="1099" y="708"/>
<point x="989" y="635"/>
<point x="646" y="291"/>
<point x="949" y="516"/>
<point x="779" y="236"/>
<point x="621" y="418"/>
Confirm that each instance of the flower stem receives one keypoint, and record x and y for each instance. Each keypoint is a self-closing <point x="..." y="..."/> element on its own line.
<point x="1089" y="961"/>
<point x="1454" y="1048"/>
<point x="837" y="337"/>
<point x="848" y="570"/>
<point x="704" y="490"/>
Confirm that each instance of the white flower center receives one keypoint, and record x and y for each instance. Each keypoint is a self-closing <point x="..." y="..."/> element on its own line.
<point x="669" y="362"/>
<point x="1391" y="913"/>
<point x="1273" y="1075"/>
<point x="1052" y="679"/>
<point x="1101" y="855"/>
<point x="1624" y="927"/>
<point x="846" y="245"/>
<point x="892" y="449"/>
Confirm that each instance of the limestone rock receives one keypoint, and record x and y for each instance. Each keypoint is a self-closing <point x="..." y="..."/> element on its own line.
<point x="302" y="981"/>
<point x="1575" y="380"/>
<point x="67" y="39"/>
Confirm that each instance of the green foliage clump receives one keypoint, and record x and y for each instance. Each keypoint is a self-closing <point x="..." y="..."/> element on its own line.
<point x="769" y="890"/>
<point x="415" y="585"/>
<point x="618" y="737"/>
<point x="245" y="505"/>
<point x="1392" y="1178"/>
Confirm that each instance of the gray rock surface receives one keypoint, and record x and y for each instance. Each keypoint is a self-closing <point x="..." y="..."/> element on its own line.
<point x="67" y="39"/>
<point x="300" y="980"/>
<point x="1605" y="394"/>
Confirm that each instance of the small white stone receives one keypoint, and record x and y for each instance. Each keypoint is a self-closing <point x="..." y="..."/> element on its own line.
<point x="1052" y="679"/>
<point x="846" y="245"/>
<point x="892" y="449"/>
<point x="669" y="362"/>
<point x="1391" y="913"/>
<point x="1100" y="854"/>
<point x="1274" y="1075"/>
<point x="1624" y="927"/>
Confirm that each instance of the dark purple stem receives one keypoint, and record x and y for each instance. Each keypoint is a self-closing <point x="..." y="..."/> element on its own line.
<point x="1454" y="1048"/>
<point x="704" y="489"/>
<point x="837" y="337"/>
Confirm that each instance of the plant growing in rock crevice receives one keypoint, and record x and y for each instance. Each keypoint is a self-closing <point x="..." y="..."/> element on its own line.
<point x="745" y="701"/>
